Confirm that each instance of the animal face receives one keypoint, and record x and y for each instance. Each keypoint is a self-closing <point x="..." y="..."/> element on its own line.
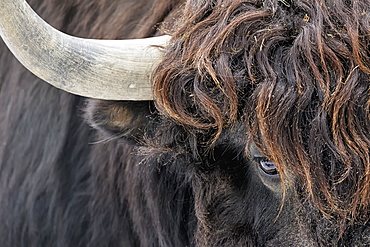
<point x="257" y="94"/>
<point x="258" y="134"/>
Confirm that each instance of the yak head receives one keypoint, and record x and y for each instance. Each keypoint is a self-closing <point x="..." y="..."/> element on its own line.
<point x="264" y="104"/>
<point x="269" y="103"/>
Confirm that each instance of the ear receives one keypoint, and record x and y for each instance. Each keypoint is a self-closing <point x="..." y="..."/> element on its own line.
<point x="127" y="119"/>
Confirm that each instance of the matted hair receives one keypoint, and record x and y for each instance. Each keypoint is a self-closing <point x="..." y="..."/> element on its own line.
<point x="298" y="71"/>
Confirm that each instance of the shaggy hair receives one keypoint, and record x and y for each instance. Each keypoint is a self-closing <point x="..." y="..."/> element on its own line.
<point x="299" y="70"/>
<point x="290" y="77"/>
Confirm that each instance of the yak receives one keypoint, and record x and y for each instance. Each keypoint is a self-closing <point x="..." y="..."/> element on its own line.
<point x="253" y="128"/>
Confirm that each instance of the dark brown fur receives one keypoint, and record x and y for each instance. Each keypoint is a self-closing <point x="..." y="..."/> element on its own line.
<point x="288" y="79"/>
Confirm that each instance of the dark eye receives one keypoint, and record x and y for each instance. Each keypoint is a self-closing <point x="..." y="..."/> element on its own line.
<point x="267" y="166"/>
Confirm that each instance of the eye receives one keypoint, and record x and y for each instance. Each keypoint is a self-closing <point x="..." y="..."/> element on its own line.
<point x="267" y="166"/>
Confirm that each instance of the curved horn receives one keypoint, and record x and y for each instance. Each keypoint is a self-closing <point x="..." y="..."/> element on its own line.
<point x="102" y="69"/>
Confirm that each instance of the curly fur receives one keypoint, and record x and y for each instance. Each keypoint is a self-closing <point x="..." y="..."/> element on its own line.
<point x="286" y="79"/>
<point x="299" y="70"/>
